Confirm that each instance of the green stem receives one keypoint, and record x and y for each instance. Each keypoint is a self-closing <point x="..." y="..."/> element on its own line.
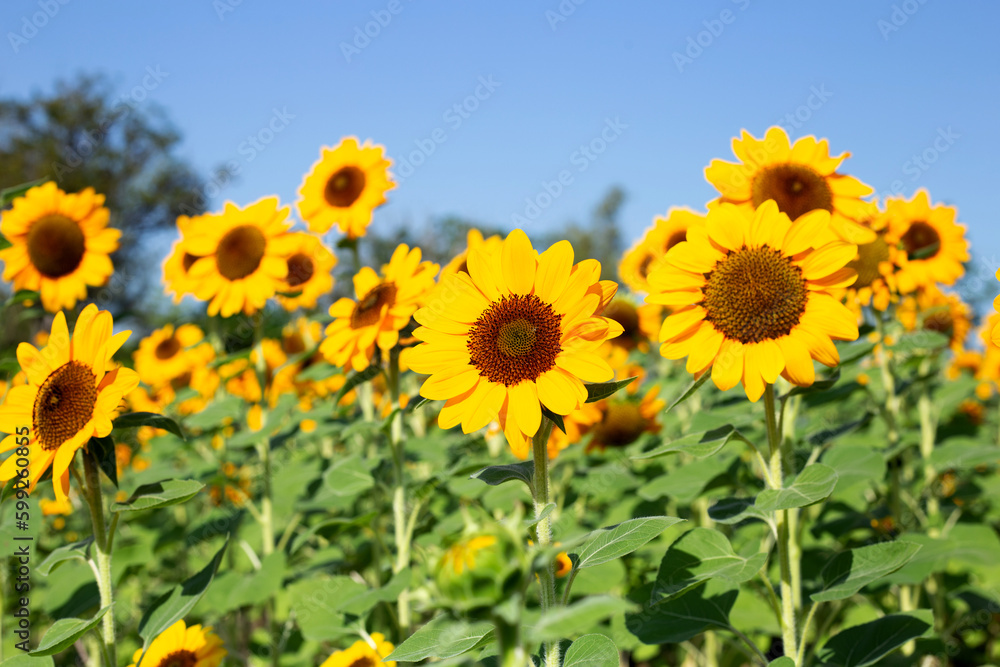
<point x="799" y="660"/>
<point x="928" y="432"/>
<point x="102" y="556"/>
<point x="890" y="413"/>
<point x="540" y="491"/>
<point x="785" y="536"/>
<point x="266" y="507"/>
<point x="399" y="492"/>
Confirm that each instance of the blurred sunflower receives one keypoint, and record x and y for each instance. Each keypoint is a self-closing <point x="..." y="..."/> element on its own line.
<point x="361" y="654"/>
<point x="625" y="313"/>
<point x="623" y="421"/>
<point x="344" y="187"/>
<point x="182" y="646"/>
<point x="799" y="178"/>
<point x="666" y="232"/>
<point x="309" y="272"/>
<point x="385" y="305"/>
<point x="474" y="241"/>
<point x="59" y="244"/>
<point x="241" y="256"/>
<point x="168" y="353"/>
<point x="932" y="245"/>
<point x="752" y="299"/>
<point x="462" y="555"/>
<point x="176" y="267"/>
<point x="519" y="331"/>
<point x="932" y="310"/>
<point x="577" y="423"/>
<point x="875" y="264"/>
<point x="70" y="396"/>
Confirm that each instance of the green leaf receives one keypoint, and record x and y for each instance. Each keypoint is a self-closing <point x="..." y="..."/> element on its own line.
<point x="783" y="661"/>
<point x="962" y="453"/>
<point x="681" y="618"/>
<point x="733" y="510"/>
<point x="699" y="555"/>
<point x="320" y="602"/>
<point x="822" y="437"/>
<point x="159" y="494"/>
<point x="592" y="651"/>
<point x="348" y="477"/>
<point x="317" y="372"/>
<point x="7" y="195"/>
<point x="65" y="631"/>
<point x="854" y="352"/>
<point x="25" y="660"/>
<point x="496" y="475"/>
<point x="134" y="419"/>
<point x="855" y="464"/>
<point x="4" y="244"/>
<point x="442" y="638"/>
<point x="812" y="485"/>
<point x="690" y="391"/>
<point x="103" y="452"/>
<point x="920" y="342"/>
<point x="602" y="390"/>
<point x="699" y="445"/>
<point x="355" y="379"/>
<point x="614" y="542"/>
<point x="867" y="643"/>
<point x="259" y="586"/>
<point x="546" y="511"/>
<point x="821" y="384"/>
<point x="75" y="551"/>
<point x="21" y="295"/>
<point x="850" y="571"/>
<point x="173" y="605"/>
<point x="413" y="407"/>
<point x="561" y="622"/>
<point x="554" y="418"/>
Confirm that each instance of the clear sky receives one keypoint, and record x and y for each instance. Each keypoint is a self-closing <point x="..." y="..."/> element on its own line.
<point x="910" y="88"/>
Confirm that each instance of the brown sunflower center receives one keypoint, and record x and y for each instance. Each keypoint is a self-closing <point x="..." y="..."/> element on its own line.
<point x="181" y="381"/>
<point x="625" y="314"/>
<point x="293" y="344"/>
<point x="240" y="251"/>
<point x="344" y="187"/>
<point x="188" y="260"/>
<point x="940" y="320"/>
<point x="870" y="255"/>
<point x="182" y="658"/>
<point x="796" y="189"/>
<point x="369" y="309"/>
<point x="921" y="241"/>
<point x="675" y="238"/>
<point x="363" y="661"/>
<point x="64" y="404"/>
<point x="515" y="339"/>
<point x="755" y="294"/>
<point x="300" y="269"/>
<point x="622" y="425"/>
<point x="167" y="348"/>
<point x="644" y="266"/>
<point x="56" y="245"/>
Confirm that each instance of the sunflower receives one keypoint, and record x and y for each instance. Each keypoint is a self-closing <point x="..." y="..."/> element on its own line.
<point x="168" y="353"/>
<point x="474" y="241"/>
<point x="752" y="297"/>
<point x="182" y="646"/>
<point x="60" y="244"/>
<point x="517" y="332"/>
<point x="177" y="279"/>
<point x="363" y="654"/>
<point x="202" y="380"/>
<point x="462" y="555"/>
<point x="623" y="421"/>
<point x="799" y="178"/>
<point x="344" y="187"/>
<point x="666" y="232"/>
<point x="384" y="306"/>
<point x="875" y="264"/>
<point x="933" y="310"/>
<point x="932" y="245"/>
<point x="577" y="424"/>
<point x="624" y="312"/>
<point x="309" y="272"/>
<point x="241" y="256"/>
<point x="70" y="397"/>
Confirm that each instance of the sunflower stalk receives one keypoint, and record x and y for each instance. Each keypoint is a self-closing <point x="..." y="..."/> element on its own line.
<point x="403" y="533"/>
<point x="102" y="556"/>
<point x="928" y="432"/>
<point x="891" y="414"/>
<point x="543" y="529"/>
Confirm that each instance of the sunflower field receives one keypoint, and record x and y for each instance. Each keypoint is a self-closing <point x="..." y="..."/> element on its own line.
<point x="508" y="459"/>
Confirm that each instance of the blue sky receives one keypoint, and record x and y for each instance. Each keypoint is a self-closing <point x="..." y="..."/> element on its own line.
<point x="887" y="80"/>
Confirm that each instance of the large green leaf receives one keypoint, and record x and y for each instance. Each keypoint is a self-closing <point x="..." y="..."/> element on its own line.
<point x="681" y="618"/>
<point x="592" y="651"/>
<point x="496" y="475"/>
<point x="25" y="660"/>
<point x="561" y="622"/>
<point x="614" y="542"/>
<point x="699" y="555"/>
<point x="690" y="391"/>
<point x="135" y="419"/>
<point x="812" y="485"/>
<point x="7" y="195"/>
<point x="963" y="453"/>
<point x="102" y="450"/>
<point x="348" y="477"/>
<point x="159" y="494"/>
<point x="699" y="445"/>
<point x="319" y="605"/>
<point x="74" y="551"/>
<point x="442" y="638"/>
<point x="855" y="464"/>
<point x="867" y="643"/>
<point x="734" y="510"/>
<point x="259" y="586"/>
<point x="850" y="571"/>
<point x="602" y="390"/>
<point x="65" y="631"/>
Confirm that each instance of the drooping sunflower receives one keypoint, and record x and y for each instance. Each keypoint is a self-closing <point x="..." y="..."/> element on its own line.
<point x="751" y="297"/>
<point x="344" y="187"/>
<point x="167" y="353"/>
<point x="474" y="240"/>
<point x="177" y="266"/>
<point x="60" y="244"/>
<point x="933" y="310"/>
<point x="183" y="646"/>
<point x="384" y="306"/>
<point x="800" y="178"/>
<point x="932" y="245"/>
<point x="72" y="394"/>
<point x="666" y="232"/>
<point x="876" y="265"/>
<point x="361" y="654"/>
<point x="309" y="272"/>
<point x="519" y="331"/>
<point x="241" y="256"/>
